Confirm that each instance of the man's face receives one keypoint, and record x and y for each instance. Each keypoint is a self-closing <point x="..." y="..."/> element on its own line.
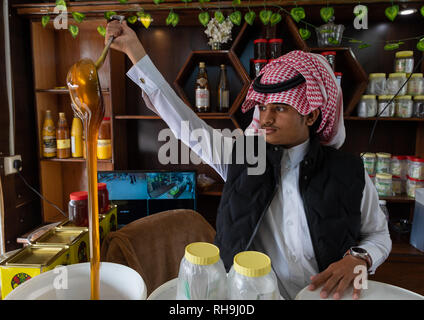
<point x="284" y="125"/>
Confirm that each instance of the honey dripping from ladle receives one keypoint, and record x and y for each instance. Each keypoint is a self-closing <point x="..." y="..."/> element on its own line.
<point x="87" y="102"/>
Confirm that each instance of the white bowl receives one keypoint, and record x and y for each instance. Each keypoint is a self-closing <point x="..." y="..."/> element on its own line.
<point x="117" y="282"/>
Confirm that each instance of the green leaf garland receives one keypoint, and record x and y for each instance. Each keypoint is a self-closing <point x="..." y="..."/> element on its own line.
<point x="265" y="16"/>
<point x="172" y="19"/>
<point x="275" y="18"/>
<point x="298" y="14"/>
<point x="250" y="17"/>
<point x="45" y="20"/>
<point x="219" y="16"/>
<point x="305" y="34"/>
<point x="392" y="12"/>
<point x="132" y="19"/>
<point x="326" y="13"/>
<point x="74" y="30"/>
<point x="204" y="18"/>
<point x="236" y="17"/>
<point x="78" y="17"/>
<point x="101" y="30"/>
<point x="109" y="14"/>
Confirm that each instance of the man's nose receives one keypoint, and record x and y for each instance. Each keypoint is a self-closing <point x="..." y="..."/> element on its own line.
<point x="267" y="117"/>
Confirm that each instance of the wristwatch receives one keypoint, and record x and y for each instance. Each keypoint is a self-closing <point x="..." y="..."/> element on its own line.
<point x="360" y="253"/>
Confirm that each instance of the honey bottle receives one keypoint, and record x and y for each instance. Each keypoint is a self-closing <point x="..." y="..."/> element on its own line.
<point x="76" y="138"/>
<point x="104" y="144"/>
<point x="202" y="90"/>
<point x="63" y="138"/>
<point x="49" y="136"/>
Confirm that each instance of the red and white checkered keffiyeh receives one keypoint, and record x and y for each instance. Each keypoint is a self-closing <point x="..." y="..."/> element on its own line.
<point x="320" y="91"/>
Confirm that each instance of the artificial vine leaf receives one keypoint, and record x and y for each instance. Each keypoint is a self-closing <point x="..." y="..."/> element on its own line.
<point x="204" y="18"/>
<point x="146" y="20"/>
<point x="236" y="2"/>
<point x="305" y="34"/>
<point x="74" y="30"/>
<point x="157" y="1"/>
<point x="420" y="45"/>
<point x="186" y="1"/>
<point x="101" y="30"/>
<point x="249" y="17"/>
<point x="235" y="17"/>
<point x="78" y="17"/>
<point x="391" y="46"/>
<point x="363" y="46"/>
<point x="326" y="13"/>
<point x="61" y="3"/>
<point x="355" y="41"/>
<point x="132" y="19"/>
<point x="333" y="41"/>
<point x="201" y="1"/>
<point x="265" y="16"/>
<point x="123" y="1"/>
<point x="172" y="19"/>
<point x="219" y="16"/>
<point x="298" y="14"/>
<point x="392" y="12"/>
<point x="422" y="11"/>
<point x="109" y="14"/>
<point x="275" y="18"/>
<point x="45" y="20"/>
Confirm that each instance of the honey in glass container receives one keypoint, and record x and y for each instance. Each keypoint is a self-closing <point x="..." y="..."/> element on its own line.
<point x="63" y="138"/>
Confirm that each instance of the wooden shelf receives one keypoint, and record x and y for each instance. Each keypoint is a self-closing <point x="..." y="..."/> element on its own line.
<point x="63" y="91"/>
<point x="74" y="160"/>
<point x="214" y="190"/>
<point x="355" y="118"/>
<point x="399" y="199"/>
<point x="404" y="248"/>
<point x="209" y="115"/>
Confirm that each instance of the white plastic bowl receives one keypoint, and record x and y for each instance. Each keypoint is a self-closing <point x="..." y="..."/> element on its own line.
<point x="117" y="282"/>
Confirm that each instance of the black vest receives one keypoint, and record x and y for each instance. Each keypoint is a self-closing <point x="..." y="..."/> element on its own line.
<point x="331" y="184"/>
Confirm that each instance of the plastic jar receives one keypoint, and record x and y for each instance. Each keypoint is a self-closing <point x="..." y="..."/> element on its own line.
<point x="251" y="278"/>
<point x="260" y="47"/>
<point x="412" y="184"/>
<point x="383" y="184"/>
<point x="258" y="65"/>
<point x="404" y="106"/>
<point x="383" y="207"/>
<point x="418" y="109"/>
<point x="275" y="48"/>
<point x="416" y="84"/>
<point x="377" y="84"/>
<point x="416" y="168"/>
<point x="369" y="160"/>
<point x="78" y="208"/>
<point x="367" y="106"/>
<point x="339" y="76"/>
<point x="103" y="196"/>
<point x="396" y="185"/>
<point x="398" y="166"/>
<point x="395" y="82"/>
<point x="383" y="162"/>
<point x="202" y="274"/>
<point x="404" y="61"/>
<point x="331" y="58"/>
<point x="386" y="109"/>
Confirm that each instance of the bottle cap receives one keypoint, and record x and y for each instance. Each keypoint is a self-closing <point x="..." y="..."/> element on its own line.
<point x="275" y="40"/>
<point x="417" y="75"/>
<point x="383" y="176"/>
<point x="252" y="264"/>
<point x="399" y="157"/>
<point x="383" y="155"/>
<point x="377" y="75"/>
<point x="202" y="253"/>
<point x="106" y="119"/>
<point x="222" y="66"/>
<point x="403" y="98"/>
<point x="368" y="96"/>
<point x="404" y="54"/>
<point x="101" y="186"/>
<point x="328" y="53"/>
<point x="369" y="155"/>
<point x="202" y="64"/>
<point x="419" y="98"/>
<point x="79" y="195"/>
<point x="260" y="40"/>
<point x="397" y="74"/>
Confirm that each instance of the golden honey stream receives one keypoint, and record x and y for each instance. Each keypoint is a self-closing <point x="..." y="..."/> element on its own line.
<point x="85" y="92"/>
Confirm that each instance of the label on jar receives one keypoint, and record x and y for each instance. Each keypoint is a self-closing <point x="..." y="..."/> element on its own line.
<point x="202" y="98"/>
<point x="104" y="149"/>
<point x="384" y="188"/>
<point x="49" y="144"/>
<point x="369" y="165"/>
<point x="63" y="144"/>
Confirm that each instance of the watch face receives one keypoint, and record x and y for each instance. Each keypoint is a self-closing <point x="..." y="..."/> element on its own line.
<point x="359" y="250"/>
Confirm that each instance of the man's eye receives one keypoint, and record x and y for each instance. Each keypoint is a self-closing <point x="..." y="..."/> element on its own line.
<point x="262" y="108"/>
<point x="280" y="109"/>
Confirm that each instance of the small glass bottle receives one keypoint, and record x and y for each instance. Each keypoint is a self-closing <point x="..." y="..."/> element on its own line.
<point x="223" y="91"/>
<point x="202" y="90"/>
<point x="49" y="136"/>
<point x="104" y="141"/>
<point x="275" y="48"/>
<point x="260" y="47"/>
<point x="331" y="58"/>
<point x="63" y="139"/>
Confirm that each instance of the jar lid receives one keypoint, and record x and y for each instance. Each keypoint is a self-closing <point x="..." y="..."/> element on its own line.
<point x="101" y="186"/>
<point x="202" y="253"/>
<point x="338" y="73"/>
<point x="399" y="157"/>
<point x="395" y="177"/>
<point x="106" y="119"/>
<point x="79" y="195"/>
<point x="419" y="98"/>
<point x="275" y="40"/>
<point x="385" y="96"/>
<point x="252" y="264"/>
<point x="382" y="202"/>
<point x="403" y="97"/>
<point x="371" y="176"/>
<point x="417" y="75"/>
<point x="397" y="74"/>
<point x="383" y="176"/>
<point x="368" y="96"/>
<point x="413" y="179"/>
<point x="404" y="54"/>
<point x="328" y="53"/>
<point x="202" y="64"/>
<point x="369" y="155"/>
<point x="384" y="155"/>
<point x="415" y="159"/>
<point x="377" y="75"/>
<point x="260" y="60"/>
<point x="260" y="40"/>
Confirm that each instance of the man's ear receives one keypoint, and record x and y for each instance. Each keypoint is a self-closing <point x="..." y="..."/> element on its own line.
<point x="312" y="117"/>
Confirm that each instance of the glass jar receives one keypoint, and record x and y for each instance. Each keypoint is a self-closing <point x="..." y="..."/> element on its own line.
<point x="404" y="106"/>
<point x="104" y="140"/>
<point x="275" y="48"/>
<point x="103" y="196"/>
<point x="398" y="166"/>
<point x="252" y="278"/>
<point x="339" y="76"/>
<point x="395" y="82"/>
<point x="202" y="274"/>
<point x="369" y="160"/>
<point x="416" y="84"/>
<point x="404" y="61"/>
<point x="396" y="185"/>
<point x="412" y="184"/>
<point x="260" y="47"/>
<point x="367" y="106"/>
<point x="382" y="204"/>
<point x="418" y="109"/>
<point x="78" y="208"/>
<point x="385" y="107"/>
<point x="258" y="65"/>
<point x="383" y="162"/>
<point x="331" y="58"/>
<point x="416" y="168"/>
<point x="383" y="184"/>
<point x="377" y="84"/>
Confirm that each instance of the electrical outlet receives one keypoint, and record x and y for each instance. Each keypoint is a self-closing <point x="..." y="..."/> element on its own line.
<point x="8" y="164"/>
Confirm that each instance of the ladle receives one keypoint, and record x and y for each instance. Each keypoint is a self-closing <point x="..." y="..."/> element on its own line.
<point x="102" y="57"/>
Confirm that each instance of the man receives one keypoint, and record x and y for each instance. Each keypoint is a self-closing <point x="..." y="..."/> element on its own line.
<point x="314" y="211"/>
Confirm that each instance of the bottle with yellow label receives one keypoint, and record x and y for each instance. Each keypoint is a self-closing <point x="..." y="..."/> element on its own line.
<point x="76" y="138"/>
<point x="62" y="138"/>
<point x="49" y="136"/>
<point x="104" y="142"/>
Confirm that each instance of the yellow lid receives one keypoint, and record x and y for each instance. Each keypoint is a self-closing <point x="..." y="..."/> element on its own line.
<point x="404" y="54"/>
<point x="368" y="96"/>
<point x="419" y="98"/>
<point x="383" y="176"/>
<point x="369" y="155"/>
<point x="384" y="96"/>
<point x="417" y="75"/>
<point x="377" y="75"/>
<point x="397" y="74"/>
<point x="202" y="64"/>
<point x="202" y="253"/>
<point x="403" y="98"/>
<point x="384" y="155"/>
<point x="252" y="264"/>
